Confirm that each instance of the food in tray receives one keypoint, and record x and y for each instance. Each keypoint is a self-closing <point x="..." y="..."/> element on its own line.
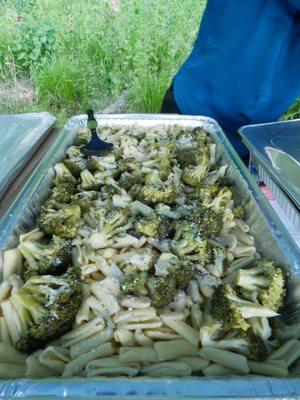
<point x="142" y="263"/>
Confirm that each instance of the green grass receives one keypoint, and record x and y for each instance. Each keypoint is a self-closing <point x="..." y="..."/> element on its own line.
<point x="102" y="54"/>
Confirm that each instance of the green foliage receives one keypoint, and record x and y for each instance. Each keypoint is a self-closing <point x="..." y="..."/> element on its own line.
<point x="102" y="54"/>
<point x="34" y="45"/>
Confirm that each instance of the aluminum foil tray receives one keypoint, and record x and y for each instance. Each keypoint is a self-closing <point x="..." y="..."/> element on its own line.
<point x="272" y="240"/>
<point x="20" y="136"/>
<point x="276" y="146"/>
<point x="288" y="207"/>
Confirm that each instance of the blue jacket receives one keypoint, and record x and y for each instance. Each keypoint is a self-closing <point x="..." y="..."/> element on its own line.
<point x="245" y="65"/>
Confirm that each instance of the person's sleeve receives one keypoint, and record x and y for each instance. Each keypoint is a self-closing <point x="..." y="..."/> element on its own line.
<point x="295" y="3"/>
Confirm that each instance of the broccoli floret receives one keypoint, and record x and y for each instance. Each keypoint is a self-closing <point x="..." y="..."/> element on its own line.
<point x="161" y="163"/>
<point x="206" y="220"/>
<point x="141" y="259"/>
<point x="76" y="165"/>
<point x="162" y="290"/>
<point x="256" y="347"/>
<point x="113" y="223"/>
<point x="134" y="283"/>
<point x="188" y="153"/>
<point x="245" y="342"/>
<point x="194" y="175"/>
<point x="127" y="165"/>
<point x="73" y="151"/>
<point x="46" y="258"/>
<point x="83" y="137"/>
<point x="154" y="191"/>
<point x="59" y="219"/>
<point x="182" y="273"/>
<point x="89" y="181"/>
<point x="222" y="200"/>
<point x="238" y="212"/>
<point x="98" y="163"/>
<point x="185" y="240"/>
<point x="94" y="216"/>
<point x="128" y="179"/>
<point x="154" y="195"/>
<point x="169" y="265"/>
<point x="63" y="192"/>
<point x="267" y="280"/>
<point x="63" y="175"/>
<point x="233" y="311"/>
<point x="148" y="226"/>
<point x="84" y="199"/>
<point x="46" y="307"/>
<point x="201" y="136"/>
<point x="108" y="191"/>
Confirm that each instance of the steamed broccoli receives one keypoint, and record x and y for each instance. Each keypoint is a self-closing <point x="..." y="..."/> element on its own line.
<point x="154" y="226"/>
<point x="169" y="265"/>
<point x="84" y="199"/>
<point x="201" y="136"/>
<point x="194" y="175"/>
<point x="161" y="163"/>
<point x="59" y="219"/>
<point x="186" y="239"/>
<point x="73" y="151"/>
<point x="46" y="307"/>
<point x="206" y="221"/>
<point x="128" y="179"/>
<point x="148" y="226"/>
<point x="89" y="181"/>
<point x="154" y="191"/>
<point x="98" y="163"/>
<point x="189" y="154"/>
<point x="222" y="200"/>
<point x="162" y="290"/>
<point x="83" y="137"/>
<point x="76" y="165"/>
<point x="44" y="259"/>
<point x="114" y="222"/>
<point x="267" y="280"/>
<point x="63" y="175"/>
<point x="63" y="192"/>
<point x="233" y="311"/>
<point x="141" y="259"/>
<point x="245" y="342"/>
<point x="134" y="283"/>
<point x="256" y="348"/>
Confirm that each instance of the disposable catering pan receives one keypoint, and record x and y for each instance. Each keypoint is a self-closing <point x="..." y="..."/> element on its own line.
<point x="20" y="136"/>
<point x="275" y="152"/>
<point x="272" y="241"/>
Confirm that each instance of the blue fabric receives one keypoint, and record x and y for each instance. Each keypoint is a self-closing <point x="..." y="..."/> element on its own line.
<point x="245" y="65"/>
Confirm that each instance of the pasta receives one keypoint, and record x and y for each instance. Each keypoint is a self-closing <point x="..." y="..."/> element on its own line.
<point x="78" y="364"/>
<point x="4" y="334"/>
<point x="34" y="368"/>
<point x="231" y="360"/>
<point x="83" y="332"/>
<point x="111" y="366"/>
<point x="5" y="288"/>
<point x="170" y="350"/>
<point x="168" y="369"/>
<point x="78" y="349"/>
<point x="138" y="354"/>
<point x="54" y="358"/>
<point x="184" y="330"/>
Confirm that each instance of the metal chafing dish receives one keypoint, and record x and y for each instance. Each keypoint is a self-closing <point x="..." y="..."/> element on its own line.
<point x="272" y="240"/>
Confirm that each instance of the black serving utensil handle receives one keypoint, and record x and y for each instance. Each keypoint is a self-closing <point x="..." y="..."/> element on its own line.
<point x="96" y="146"/>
